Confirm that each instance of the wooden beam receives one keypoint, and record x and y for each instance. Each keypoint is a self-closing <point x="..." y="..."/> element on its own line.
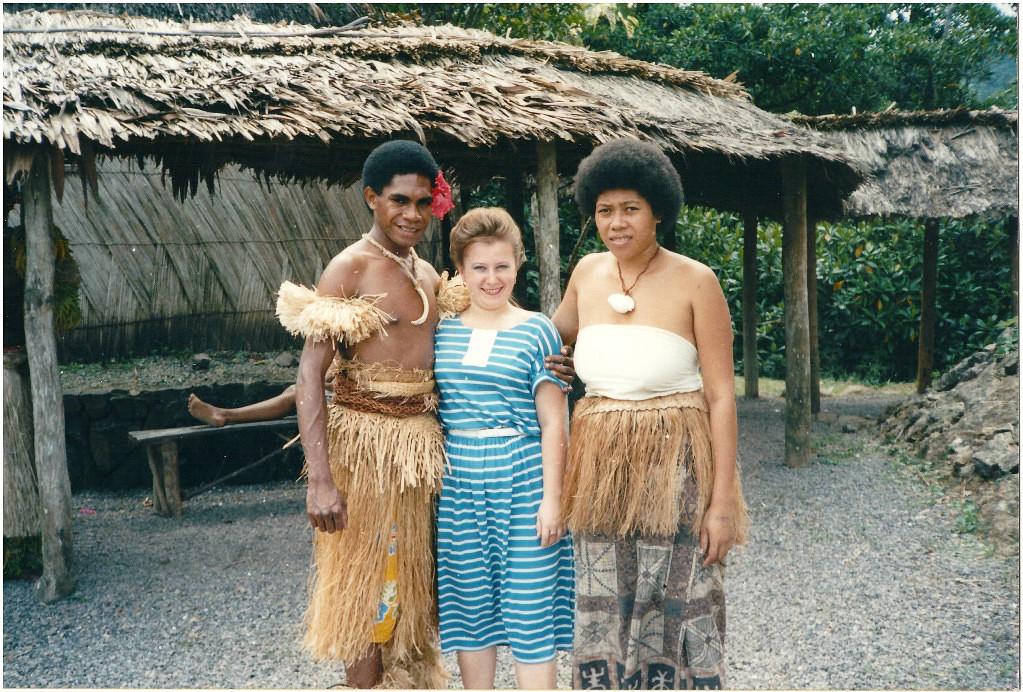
<point x="811" y="310"/>
<point x="546" y="233"/>
<point x="59" y="574"/>
<point x="928" y="302"/>
<point x="750" y="357"/>
<point x="797" y="326"/>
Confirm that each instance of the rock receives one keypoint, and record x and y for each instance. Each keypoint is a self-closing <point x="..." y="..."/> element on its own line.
<point x="998" y="456"/>
<point x="201" y="361"/>
<point x="286" y="359"/>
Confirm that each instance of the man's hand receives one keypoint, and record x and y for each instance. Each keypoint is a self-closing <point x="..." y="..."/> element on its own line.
<point x="563" y="367"/>
<point x="326" y="509"/>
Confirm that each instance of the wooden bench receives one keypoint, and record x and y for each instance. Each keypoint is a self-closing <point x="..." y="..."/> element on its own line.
<point x="162" y="453"/>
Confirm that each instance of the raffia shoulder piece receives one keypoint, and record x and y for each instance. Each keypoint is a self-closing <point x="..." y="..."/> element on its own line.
<point x="452" y="296"/>
<point x="304" y="312"/>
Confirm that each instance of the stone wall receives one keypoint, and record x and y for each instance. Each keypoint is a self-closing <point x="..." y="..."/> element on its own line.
<point x="102" y="456"/>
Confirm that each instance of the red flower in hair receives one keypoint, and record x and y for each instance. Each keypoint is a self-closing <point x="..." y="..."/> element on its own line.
<point x="441" y="203"/>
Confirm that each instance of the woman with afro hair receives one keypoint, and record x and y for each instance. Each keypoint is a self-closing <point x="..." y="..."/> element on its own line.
<point x="652" y="489"/>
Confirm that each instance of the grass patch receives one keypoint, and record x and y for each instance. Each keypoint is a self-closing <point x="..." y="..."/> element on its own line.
<point x="829" y="387"/>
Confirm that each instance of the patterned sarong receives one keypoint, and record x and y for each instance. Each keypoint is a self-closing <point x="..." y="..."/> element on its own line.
<point x="648" y="616"/>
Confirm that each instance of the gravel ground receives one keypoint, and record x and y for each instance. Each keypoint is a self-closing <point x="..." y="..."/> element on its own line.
<point x="855" y="578"/>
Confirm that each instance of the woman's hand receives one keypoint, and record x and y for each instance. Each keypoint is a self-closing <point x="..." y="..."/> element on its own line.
<point x="717" y="534"/>
<point x="549" y="528"/>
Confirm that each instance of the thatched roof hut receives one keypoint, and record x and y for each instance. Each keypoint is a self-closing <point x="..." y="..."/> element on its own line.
<point x="930" y="165"/>
<point x="293" y="103"/>
<point x="305" y="103"/>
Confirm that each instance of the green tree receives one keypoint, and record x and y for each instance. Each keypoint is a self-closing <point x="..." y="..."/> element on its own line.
<point x="828" y="58"/>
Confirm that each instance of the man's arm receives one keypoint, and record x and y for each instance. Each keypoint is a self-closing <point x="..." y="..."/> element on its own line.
<point x="325" y="507"/>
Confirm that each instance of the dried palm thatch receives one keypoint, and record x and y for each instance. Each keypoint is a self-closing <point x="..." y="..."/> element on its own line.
<point x="296" y="102"/>
<point x="202" y="273"/>
<point x="930" y="165"/>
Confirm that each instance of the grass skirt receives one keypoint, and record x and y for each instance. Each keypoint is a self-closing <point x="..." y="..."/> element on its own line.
<point x="627" y="463"/>
<point x="388" y="469"/>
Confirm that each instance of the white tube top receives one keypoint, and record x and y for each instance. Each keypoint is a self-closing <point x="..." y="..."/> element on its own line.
<point x="635" y="362"/>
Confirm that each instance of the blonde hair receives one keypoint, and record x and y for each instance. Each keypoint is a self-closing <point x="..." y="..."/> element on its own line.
<point x="485" y="224"/>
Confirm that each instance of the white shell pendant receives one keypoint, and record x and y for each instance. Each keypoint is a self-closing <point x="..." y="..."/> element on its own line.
<point x="621" y="303"/>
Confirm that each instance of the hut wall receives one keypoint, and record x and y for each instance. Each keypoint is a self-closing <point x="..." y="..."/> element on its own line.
<point x="159" y="273"/>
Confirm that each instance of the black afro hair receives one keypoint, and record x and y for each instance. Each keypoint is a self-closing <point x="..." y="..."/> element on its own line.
<point x="398" y="157"/>
<point x="629" y="164"/>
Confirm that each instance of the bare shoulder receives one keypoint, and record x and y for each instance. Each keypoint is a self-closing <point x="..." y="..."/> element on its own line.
<point x="588" y="265"/>
<point x="342" y="275"/>
<point x="693" y="272"/>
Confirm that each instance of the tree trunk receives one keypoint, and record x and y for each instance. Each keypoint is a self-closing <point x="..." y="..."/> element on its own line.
<point x="546" y="234"/>
<point x="928" y="301"/>
<point x="811" y="309"/>
<point x="797" y="327"/>
<point x="59" y="575"/>
<point x="750" y="356"/>
<point x="21" y="492"/>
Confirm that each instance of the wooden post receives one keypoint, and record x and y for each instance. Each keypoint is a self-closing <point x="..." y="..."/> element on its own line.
<point x="750" y="356"/>
<point x="546" y="233"/>
<point x="928" y="300"/>
<point x="811" y="309"/>
<point x="59" y="575"/>
<point x="797" y="327"/>
<point x="514" y="202"/>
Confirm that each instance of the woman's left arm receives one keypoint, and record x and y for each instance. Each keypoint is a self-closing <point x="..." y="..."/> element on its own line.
<point x="552" y="414"/>
<point x="712" y="327"/>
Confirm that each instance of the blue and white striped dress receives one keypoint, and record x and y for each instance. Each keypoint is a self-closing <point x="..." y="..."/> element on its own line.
<point x="496" y="585"/>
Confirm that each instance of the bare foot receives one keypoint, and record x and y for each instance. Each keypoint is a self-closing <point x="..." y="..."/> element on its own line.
<point x="211" y="415"/>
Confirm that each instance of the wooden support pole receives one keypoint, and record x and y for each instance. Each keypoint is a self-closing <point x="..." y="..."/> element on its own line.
<point x="21" y="489"/>
<point x="750" y="356"/>
<point x="811" y="309"/>
<point x="928" y="305"/>
<point x="797" y="327"/>
<point x="59" y="575"/>
<point x="546" y="233"/>
<point x="515" y="203"/>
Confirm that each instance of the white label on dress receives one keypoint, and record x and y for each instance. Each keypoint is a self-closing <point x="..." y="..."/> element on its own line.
<point x="481" y="343"/>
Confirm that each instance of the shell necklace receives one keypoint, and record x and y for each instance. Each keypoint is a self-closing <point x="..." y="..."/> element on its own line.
<point x="623" y="302"/>
<point x="412" y="275"/>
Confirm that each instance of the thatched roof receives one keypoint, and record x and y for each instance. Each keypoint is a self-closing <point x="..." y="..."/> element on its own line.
<point x="299" y="103"/>
<point x="930" y="165"/>
<point x="201" y="273"/>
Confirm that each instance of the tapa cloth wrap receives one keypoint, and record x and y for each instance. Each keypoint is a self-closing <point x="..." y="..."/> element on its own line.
<point x="386" y="466"/>
<point x="627" y="463"/>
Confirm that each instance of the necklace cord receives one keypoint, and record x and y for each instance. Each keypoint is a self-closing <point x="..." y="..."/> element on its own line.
<point x="628" y="291"/>
<point x="413" y="275"/>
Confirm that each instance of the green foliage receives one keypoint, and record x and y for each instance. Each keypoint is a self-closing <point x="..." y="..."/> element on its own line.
<point x="868" y="290"/>
<point x="829" y="58"/>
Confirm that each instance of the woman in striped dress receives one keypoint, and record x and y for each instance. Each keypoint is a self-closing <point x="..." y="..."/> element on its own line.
<point x="504" y="564"/>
